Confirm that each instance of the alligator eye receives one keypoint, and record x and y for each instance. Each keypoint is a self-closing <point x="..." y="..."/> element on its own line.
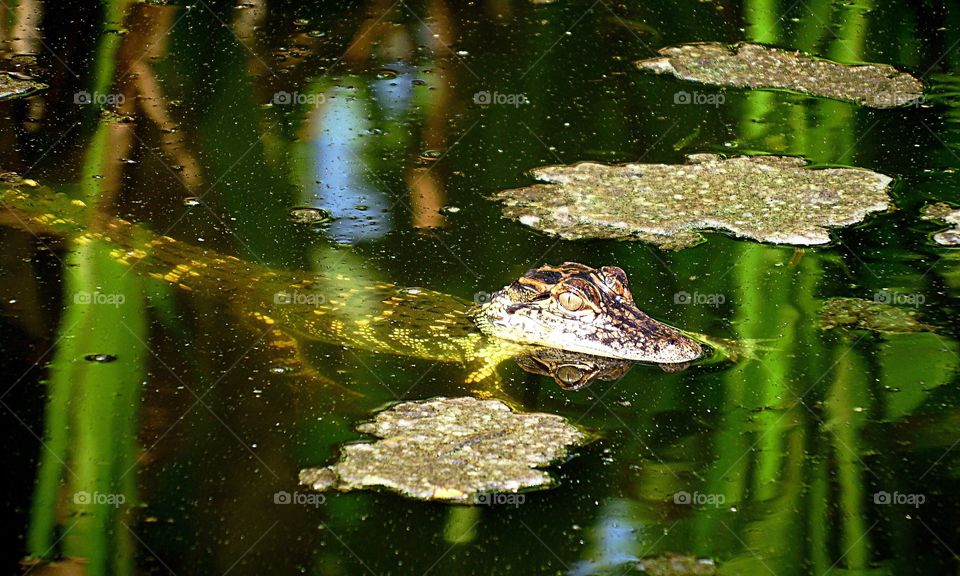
<point x="570" y="301"/>
<point x="568" y="375"/>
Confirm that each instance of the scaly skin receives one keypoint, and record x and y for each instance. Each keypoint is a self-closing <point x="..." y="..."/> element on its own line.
<point x="581" y="309"/>
<point x="381" y="317"/>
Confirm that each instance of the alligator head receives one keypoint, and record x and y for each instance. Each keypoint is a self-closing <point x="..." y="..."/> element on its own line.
<point x="581" y="309"/>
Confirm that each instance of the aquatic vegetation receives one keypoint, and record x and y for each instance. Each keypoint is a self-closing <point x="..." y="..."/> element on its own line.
<point x="946" y="213"/>
<point x="451" y="449"/>
<point x="773" y="199"/>
<point x="861" y="314"/>
<point x="747" y="65"/>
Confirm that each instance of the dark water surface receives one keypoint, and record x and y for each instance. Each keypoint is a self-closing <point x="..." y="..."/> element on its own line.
<point x="832" y="452"/>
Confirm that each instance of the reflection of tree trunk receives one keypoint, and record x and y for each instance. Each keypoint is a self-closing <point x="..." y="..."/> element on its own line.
<point x="25" y="35"/>
<point x="148" y="39"/>
<point x="374" y="27"/>
<point x="427" y="192"/>
<point x="24" y="38"/>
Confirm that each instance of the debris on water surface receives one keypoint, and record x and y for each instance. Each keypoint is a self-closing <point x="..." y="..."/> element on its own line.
<point x="775" y="199"/>
<point x="450" y="449"/>
<point x="13" y="85"/>
<point x="873" y="315"/>
<point x="192" y="201"/>
<point x="309" y="215"/>
<point x="946" y="213"/>
<point x="431" y="155"/>
<point x="100" y="358"/>
<point x="747" y="65"/>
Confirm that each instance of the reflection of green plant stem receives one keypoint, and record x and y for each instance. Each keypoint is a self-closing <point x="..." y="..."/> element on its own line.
<point x="847" y="391"/>
<point x="91" y="419"/>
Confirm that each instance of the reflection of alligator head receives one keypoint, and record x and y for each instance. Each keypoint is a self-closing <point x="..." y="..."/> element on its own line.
<point x="572" y="370"/>
<point x="576" y="370"/>
<point x="581" y="309"/>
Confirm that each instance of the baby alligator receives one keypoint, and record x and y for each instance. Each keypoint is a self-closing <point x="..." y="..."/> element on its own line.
<point x="571" y="307"/>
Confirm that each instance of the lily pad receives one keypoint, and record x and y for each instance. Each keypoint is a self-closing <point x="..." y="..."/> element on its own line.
<point x="450" y="449"/>
<point x="946" y="213"/>
<point x="17" y="86"/>
<point x="747" y="65"/>
<point x="767" y="198"/>
<point x="861" y="314"/>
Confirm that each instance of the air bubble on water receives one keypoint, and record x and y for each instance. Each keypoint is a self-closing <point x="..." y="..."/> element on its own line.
<point x="431" y="155"/>
<point x="191" y="201"/>
<point x="385" y="73"/>
<point x="100" y="358"/>
<point x="449" y="210"/>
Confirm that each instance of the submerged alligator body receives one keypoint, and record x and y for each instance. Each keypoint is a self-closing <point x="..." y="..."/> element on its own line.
<point x="571" y="307"/>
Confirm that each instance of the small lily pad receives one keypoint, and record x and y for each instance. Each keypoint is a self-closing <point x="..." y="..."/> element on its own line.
<point x="747" y="65"/>
<point x="450" y="449"/>
<point x="774" y="199"/>
<point x="860" y="314"/>
<point x="14" y="85"/>
<point x="946" y="213"/>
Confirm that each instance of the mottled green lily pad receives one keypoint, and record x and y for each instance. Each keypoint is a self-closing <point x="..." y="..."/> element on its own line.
<point x="450" y="449"/>
<point x="754" y="66"/>
<point x="17" y="86"/>
<point x="946" y="213"/>
<point x="767" y="198"/>
<point x="862" y="314"/>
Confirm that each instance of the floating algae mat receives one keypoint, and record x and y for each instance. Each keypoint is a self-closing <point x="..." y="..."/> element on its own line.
<point x="450" y="449"/>
<point x="767" y="198"/>
<point x="946" y="213"/>
<point x="861" y="314"/>
<point x="754" y="66"/>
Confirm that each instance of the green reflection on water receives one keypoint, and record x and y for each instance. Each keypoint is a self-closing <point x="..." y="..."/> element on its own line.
<point x="796" y="442"/>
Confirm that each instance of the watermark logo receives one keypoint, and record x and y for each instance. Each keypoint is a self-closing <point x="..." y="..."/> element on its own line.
<point x="698" y="299"/>
<point x="897" y="99"/>
<point x="84" y="498"/>
<point x="99" y="298"/>
<point x="899" y="298"/>
<point x="299" y="298"/>
<point x="715" y="99"/>
<point x="514" y="500"/>
<point x="84" y="98"/>
<point x="481" y="298"/>
<point x="684" y="498"/>
<point x="487" y="98"/>
<point x="899" y="499"/>
<point x="299" y="498"/>
<point x="283" y="98"/>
